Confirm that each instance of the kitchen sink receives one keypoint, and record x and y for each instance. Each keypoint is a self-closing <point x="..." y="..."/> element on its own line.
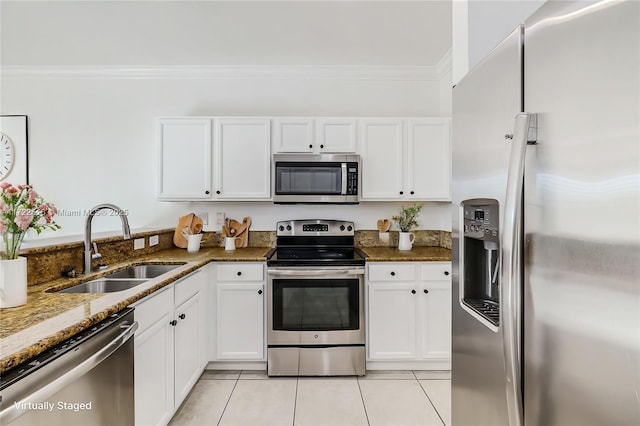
<point x="122" y="280"/>
<point x="143" y="271"/>
<point x="104" y="285"/>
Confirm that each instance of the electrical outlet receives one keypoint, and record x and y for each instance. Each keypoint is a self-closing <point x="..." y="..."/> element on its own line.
<point x="153" y="240"/>
<point x="138" y="243"/>
<point x="204" y="216"/>
<point x="221" y="217"/>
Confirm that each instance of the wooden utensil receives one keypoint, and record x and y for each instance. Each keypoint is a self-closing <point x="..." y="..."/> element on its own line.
<point x="226" y="231"/>
<point x="383" y="225"/>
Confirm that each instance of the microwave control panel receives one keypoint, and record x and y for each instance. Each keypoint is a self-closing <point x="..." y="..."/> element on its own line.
<point x="352" y="178"/>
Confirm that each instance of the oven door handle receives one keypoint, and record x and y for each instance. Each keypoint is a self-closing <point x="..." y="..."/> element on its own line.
<point x="314" y="272"/>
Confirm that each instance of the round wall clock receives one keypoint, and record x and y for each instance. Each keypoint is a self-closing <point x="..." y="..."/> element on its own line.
<point x="14" y="149"/>
<point x="7" y="156"/>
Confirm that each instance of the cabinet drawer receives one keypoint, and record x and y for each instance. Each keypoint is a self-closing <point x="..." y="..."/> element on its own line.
<point x="436" y="271"/>
<point x="240" y="272"/>
<point x="392" y="272"/>
<point x="149" y="311"/>
<point x="188" y="286"/>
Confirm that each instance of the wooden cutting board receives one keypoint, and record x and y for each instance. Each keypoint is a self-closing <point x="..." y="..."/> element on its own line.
<point x="240" y="230"/>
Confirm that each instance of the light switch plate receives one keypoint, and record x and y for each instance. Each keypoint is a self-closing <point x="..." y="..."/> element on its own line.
<point x="138" y="243"/>
<point x="153" y="240"/>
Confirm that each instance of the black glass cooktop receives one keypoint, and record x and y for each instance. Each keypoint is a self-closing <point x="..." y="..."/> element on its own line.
<point x="317" y="255"/>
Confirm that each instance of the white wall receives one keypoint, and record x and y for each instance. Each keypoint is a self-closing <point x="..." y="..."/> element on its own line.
<point x="92" y="129"/>
<point x="479" y="25"/>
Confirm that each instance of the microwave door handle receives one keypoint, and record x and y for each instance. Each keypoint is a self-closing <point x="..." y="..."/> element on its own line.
<point x="344" y="179"/>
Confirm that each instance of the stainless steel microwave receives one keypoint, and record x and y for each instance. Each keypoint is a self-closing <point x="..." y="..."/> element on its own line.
<point x="316" y="179"/>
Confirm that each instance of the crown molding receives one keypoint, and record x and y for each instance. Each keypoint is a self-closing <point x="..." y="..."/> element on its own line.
<point x="280" y="72"/>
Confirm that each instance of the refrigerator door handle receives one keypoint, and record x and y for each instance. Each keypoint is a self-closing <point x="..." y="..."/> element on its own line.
<point x="510" y="297"/>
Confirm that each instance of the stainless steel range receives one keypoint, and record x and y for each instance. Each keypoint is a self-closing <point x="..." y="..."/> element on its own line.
<point x="315" y="300"/>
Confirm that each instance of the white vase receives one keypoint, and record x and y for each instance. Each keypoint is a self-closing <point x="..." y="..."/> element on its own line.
<point x="13" y="282"/>
<point x="406" y="240"/>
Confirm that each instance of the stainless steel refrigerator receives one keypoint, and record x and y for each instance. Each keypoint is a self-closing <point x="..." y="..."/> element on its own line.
<point x="546" y="223"/>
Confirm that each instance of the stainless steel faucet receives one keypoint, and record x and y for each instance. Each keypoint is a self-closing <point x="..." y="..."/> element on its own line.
<point x="126" y="232"/>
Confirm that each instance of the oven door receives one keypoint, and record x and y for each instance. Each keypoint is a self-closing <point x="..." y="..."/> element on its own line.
<point x="323" y="306"/>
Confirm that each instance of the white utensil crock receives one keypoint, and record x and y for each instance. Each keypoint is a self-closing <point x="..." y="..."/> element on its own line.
<point x="193" y="242"/>
<point x="230" y="243"/>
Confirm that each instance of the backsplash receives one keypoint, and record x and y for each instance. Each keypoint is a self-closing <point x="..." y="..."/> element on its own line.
<point x="50" y="262"/>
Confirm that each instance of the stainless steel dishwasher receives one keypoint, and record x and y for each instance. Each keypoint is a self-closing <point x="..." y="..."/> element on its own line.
<point x="86" y="380"/>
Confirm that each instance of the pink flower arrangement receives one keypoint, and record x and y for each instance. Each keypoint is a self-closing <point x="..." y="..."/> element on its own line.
<point x="22" y="208"/>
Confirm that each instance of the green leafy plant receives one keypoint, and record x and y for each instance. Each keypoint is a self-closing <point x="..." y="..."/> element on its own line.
<point x="406" y="220"/>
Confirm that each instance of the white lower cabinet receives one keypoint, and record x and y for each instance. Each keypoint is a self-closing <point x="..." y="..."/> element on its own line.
<point x="239" y="312"/>
<point x="409" y="315"/>
<point x="170" y="348"/>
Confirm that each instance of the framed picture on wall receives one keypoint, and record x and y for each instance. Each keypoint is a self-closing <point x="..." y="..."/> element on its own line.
<point x="14" y="149"/>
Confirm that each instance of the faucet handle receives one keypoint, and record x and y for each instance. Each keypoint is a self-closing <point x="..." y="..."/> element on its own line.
<point x="95" y="254"/>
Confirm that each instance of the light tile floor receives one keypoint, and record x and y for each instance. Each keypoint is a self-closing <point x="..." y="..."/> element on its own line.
<point x="245" y="398"/>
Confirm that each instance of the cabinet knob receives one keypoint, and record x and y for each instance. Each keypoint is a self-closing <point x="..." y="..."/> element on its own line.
<point x="174" y="323"/>
<point x="321" y="146"/>
<point x="310" y="146"/>
<point x="218" y="192"/>
<point x="206" y="192"/>
<point x="413" y="192"/>
<point x="446" y="272"/>
<point x="426" y="291"/>
<point x="259" y="291"/>
<point x="393" y="274"/>
<point x="182" y="316"/>
<point x="401" y="192"/>
<point x="413" y="292"/>
<point x="239" y="273"/>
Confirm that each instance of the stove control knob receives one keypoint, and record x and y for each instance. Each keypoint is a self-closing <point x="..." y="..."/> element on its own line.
<point x="349" y="228"/>
<point x="288" y="227"/>
<point x="281" y="228"/>
<point x="342" y="227"/>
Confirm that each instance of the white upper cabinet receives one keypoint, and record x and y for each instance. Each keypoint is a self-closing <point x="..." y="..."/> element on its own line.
<point x="405" y="159"/>
<point x="428" y="171"/>
<point x="184" y="156"/>
<point x="314" y="135"/>
<point x="293" y="134"/>
<point x="196" y="162"/>
<point x="381" y="152"/>
<point x="335" y="134"/>
<point x="243" y="158"/>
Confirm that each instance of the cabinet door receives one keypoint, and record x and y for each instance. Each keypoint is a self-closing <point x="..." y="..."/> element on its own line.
<point x="187" y="347"/>
<point x="293" y="134"/>
<point x="335" y="135"/>
<point x="154" y="381"/>
<point x="239" y="321"/>
<point x="184" y="158"/>
<point x="435" y="310"/>
<point x="428" y="159"/>
<point x="381" y="155"/>
<point x="242" y="158"/>
<point x="392" y="320"/>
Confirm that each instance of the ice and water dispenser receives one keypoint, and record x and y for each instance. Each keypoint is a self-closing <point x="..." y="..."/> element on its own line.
<point x="481" y="258"/>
